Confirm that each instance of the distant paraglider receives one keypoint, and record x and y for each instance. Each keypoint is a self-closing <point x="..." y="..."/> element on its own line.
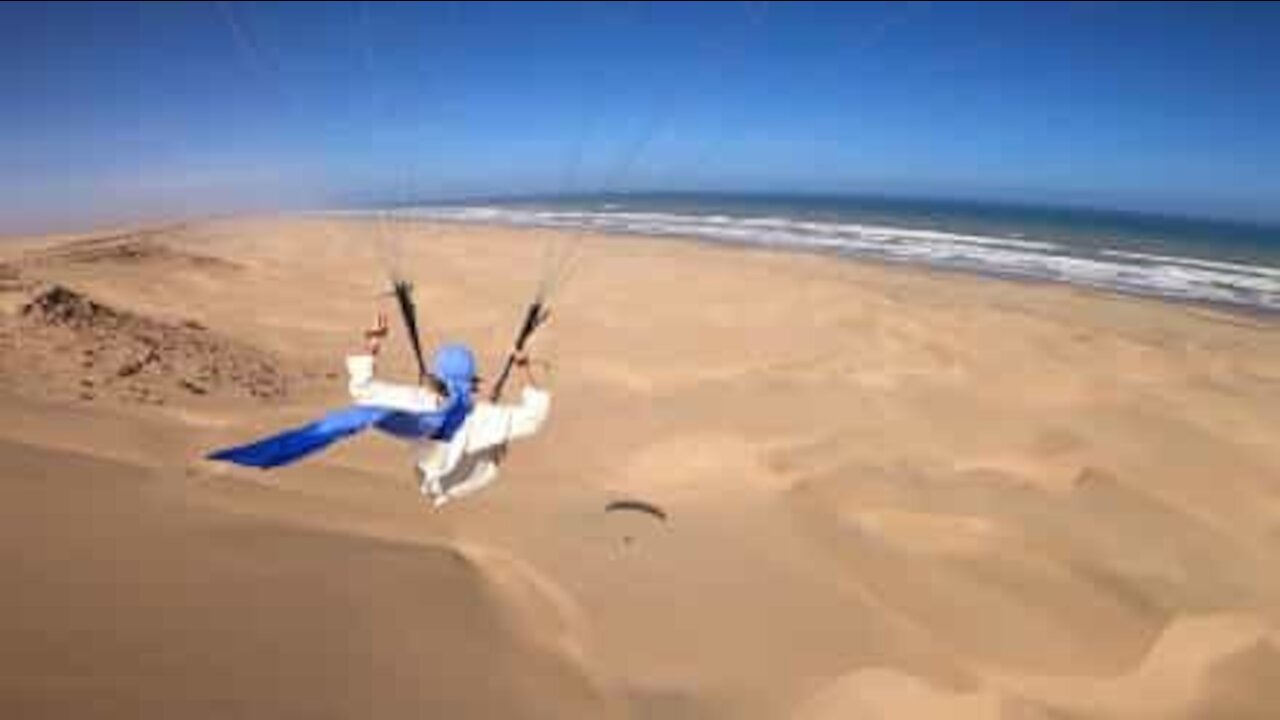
<point x="639" y="506"/>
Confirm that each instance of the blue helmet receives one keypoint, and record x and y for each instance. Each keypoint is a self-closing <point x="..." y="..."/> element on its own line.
<point x="455" y="365"/>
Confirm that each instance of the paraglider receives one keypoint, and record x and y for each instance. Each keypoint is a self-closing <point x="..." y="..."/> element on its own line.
<point x="639" y="506"/>
<point x="460" y="442"/>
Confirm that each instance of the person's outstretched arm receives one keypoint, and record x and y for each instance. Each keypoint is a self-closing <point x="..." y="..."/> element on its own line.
<point x="365" y="390"/>
<point x="498" y="424"/>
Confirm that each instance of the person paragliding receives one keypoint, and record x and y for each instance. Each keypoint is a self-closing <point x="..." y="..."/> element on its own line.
<point x="460" y="441"/>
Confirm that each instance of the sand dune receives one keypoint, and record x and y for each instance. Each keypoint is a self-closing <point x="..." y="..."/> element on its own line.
<point x="890" y="493"/>
<point x="123" y="600"/>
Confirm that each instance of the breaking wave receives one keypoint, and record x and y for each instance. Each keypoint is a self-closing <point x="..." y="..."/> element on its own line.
<point x="1168" y="276"/>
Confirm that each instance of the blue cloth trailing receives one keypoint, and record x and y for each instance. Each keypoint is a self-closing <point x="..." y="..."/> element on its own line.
<point x="454" y="366"/>
<point x="297" y="443"/>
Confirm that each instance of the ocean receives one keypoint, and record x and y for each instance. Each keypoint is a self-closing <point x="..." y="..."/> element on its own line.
<point x="1184" y="259"/>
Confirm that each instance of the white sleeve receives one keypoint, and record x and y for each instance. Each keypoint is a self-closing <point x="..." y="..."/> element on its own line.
<point x="367" y="391"/>
<point x="499" y="424"/>
<point x="527" y="417"/>
<point x="359" y="375"/>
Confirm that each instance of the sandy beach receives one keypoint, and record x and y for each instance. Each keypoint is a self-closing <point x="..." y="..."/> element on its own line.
<point x="890" y="492"/>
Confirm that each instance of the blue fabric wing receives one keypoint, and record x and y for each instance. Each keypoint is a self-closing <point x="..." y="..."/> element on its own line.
<point x="299" y="442"/>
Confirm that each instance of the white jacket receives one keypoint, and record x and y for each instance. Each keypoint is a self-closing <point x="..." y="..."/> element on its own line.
<point x="467" y="462"/>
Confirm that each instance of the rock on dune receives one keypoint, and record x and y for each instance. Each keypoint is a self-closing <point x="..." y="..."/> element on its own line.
<point x="77" y="341"/>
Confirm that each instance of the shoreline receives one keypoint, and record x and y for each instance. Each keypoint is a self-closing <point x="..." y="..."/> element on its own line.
<point x="1268" y="316"/>
<point x="1259" y="317"/>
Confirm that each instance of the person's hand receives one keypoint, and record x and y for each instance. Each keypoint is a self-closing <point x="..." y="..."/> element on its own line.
<point x="527" y="364"/>
<point x="374" y="335"/>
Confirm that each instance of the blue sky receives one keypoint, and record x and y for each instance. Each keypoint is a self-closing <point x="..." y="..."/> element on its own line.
<point x="123" y="111"/>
